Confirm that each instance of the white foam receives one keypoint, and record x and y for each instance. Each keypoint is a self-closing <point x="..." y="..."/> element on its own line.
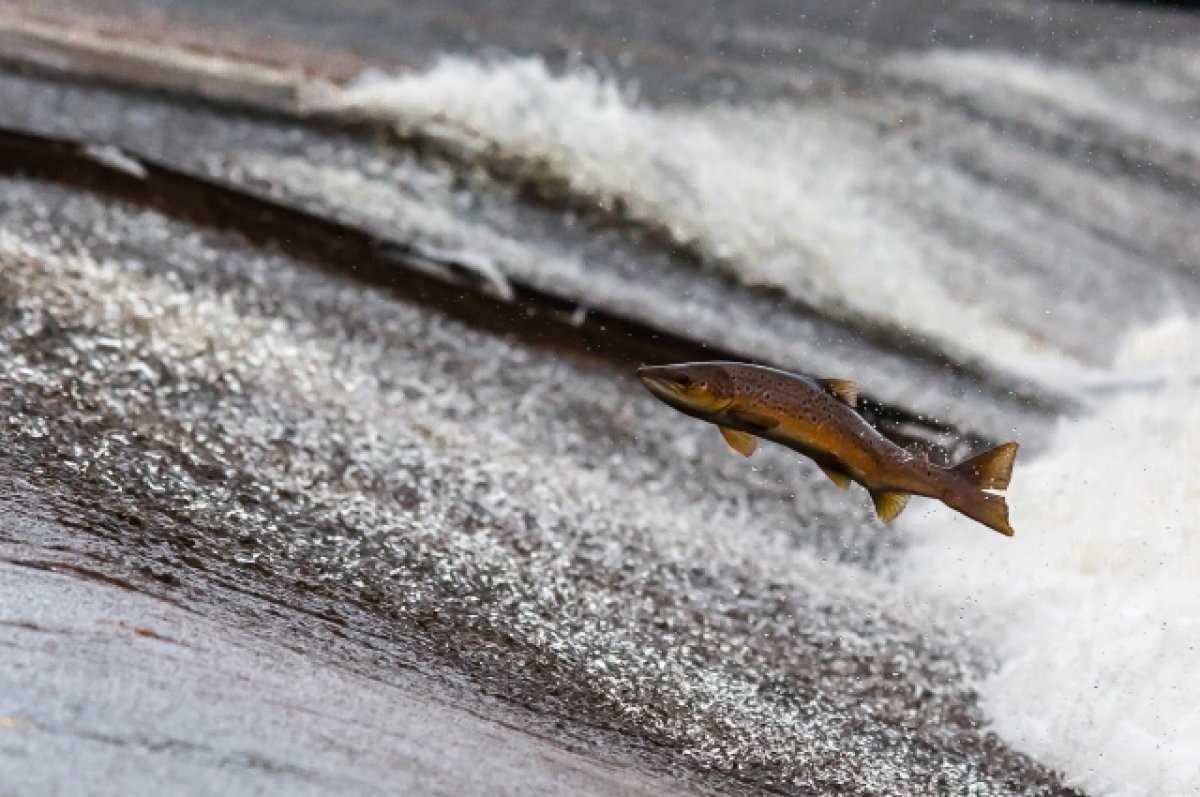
<point x="1172" y="345"/>
<point x="783" y="195"/>
<point x="1093" y="609"/>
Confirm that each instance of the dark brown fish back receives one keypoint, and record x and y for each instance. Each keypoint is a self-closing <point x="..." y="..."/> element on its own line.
<point x="782" y="392"/>
<point x="808" y="403"/>
<point x="792" y="395"/>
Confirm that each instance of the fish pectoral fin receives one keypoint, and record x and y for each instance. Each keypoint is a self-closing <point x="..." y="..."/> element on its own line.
<point x="841" y="479"/>
<point x="740" y="442"/>
<point x="753" y="419"/>
<point x="889" y="504"/>
<point x="844" y="390"/>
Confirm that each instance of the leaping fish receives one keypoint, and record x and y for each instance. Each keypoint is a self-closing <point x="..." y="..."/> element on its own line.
<point x="816" y="417"/>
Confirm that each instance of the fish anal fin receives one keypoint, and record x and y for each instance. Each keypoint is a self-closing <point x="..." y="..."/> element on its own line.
<point x="740" y="442"/>
<point x="844" y="390"/>
<point x="836" y="476"/>
<point x="753" y="419"/>
<point x="991" y="470"/>
<point x="889" y="504"/>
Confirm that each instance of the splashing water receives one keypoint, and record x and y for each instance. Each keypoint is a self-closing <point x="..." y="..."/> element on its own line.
<point x="1093" y="613"/>
<point x="779" y="195"/>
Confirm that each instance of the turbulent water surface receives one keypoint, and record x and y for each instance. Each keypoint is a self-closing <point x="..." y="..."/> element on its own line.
<point x="1002" y="237"/>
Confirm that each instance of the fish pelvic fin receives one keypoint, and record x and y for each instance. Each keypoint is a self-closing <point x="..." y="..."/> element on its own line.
<point x="889" y="504"/>
<point x="843" y="390"/>
<point x="842" y="480"/>
<point x="991" y="470"/>
<point x="987" y="508"/>
<point x="740" y="442"/>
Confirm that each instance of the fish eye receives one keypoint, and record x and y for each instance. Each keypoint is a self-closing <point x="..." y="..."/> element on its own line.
<point x="703" y="385"/>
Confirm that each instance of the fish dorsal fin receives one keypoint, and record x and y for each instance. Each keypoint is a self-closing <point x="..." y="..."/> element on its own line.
<point x="753" y="419"/>
<point x="836" y="476"/>
<point x="740" y="442"/>
<point x="889" y="504"/>
<point x="991" y="470"/>
<point x="844" y="390"/>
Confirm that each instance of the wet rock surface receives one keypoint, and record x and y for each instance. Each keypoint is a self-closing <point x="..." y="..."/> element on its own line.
<point x="698" y="51"/>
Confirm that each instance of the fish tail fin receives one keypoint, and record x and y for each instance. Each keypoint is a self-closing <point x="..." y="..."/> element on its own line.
<point x="990" y="470"/>
<point x="987" y="508"/>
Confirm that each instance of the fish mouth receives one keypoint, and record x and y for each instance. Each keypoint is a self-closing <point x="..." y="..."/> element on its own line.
<point x="659" y="385"/>
<point x="667" y="386"/>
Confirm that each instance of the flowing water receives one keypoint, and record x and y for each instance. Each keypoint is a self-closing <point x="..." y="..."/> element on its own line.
<point x="950" y="227"/>
<point x="922" y="217"/>
<point x="994" y="249"/>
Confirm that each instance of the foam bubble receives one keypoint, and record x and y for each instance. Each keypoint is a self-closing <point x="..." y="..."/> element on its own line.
<point x="1092" y="609"/>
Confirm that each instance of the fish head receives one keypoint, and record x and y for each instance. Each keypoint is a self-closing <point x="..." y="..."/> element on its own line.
<point x="698" y="389"/>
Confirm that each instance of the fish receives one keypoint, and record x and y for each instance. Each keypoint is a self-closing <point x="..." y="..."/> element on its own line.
<point x="818" y="418"/>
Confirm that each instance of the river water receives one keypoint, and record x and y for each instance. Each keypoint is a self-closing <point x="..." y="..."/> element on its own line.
<point x="1005" y="240"/>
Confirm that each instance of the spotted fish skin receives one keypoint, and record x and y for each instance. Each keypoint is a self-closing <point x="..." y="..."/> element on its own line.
<point x="816" y="418"/>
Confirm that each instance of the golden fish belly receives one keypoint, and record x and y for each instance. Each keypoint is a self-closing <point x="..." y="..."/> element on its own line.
<point x="831" y="445"/>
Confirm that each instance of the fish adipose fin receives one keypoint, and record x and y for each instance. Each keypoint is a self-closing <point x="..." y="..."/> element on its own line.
<point x="990" y="470"/>
<point x="837" y="477"/>
<point x="753" y="419"/>
<point x="740" y="442"/>
<point x="843" y="390"/>
<point x="889" y="504"/>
